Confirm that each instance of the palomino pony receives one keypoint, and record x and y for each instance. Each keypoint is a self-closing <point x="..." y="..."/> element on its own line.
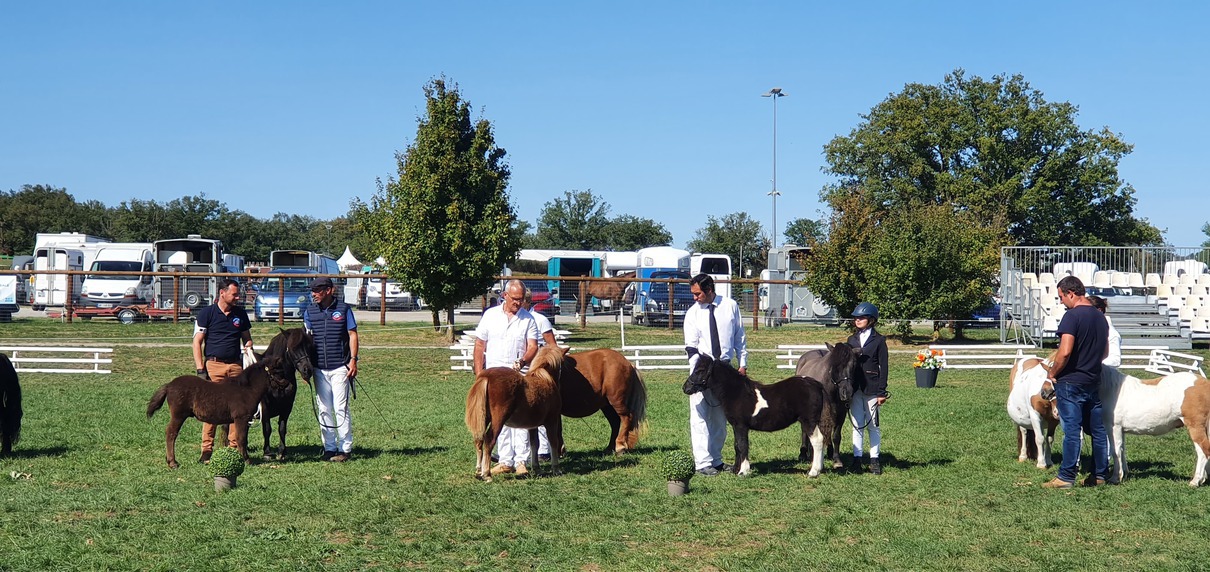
<point x="232" y="402"/>
<point x="751" y="405"/>
<point x="1155" y="407"/>
<point x="604" y="380"/>
<point x="1036" y="416"/>
<point x="501" y="397"/>
<point x="839" y="365"/>
<point x="10" y="406"/>
<point x="295" y="351"/>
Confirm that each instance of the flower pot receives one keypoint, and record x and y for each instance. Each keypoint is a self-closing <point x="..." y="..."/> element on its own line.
<point x="926" y="378"/>
<point x="223" y="483"/>
<point x="677" y="488"/>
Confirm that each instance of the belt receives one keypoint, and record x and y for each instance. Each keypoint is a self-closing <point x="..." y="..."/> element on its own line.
<point x="221" y="360"/>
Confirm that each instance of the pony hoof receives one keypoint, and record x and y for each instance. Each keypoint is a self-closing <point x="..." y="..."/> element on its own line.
<point x="813" y="474"/>
<point x="173" y="464"/>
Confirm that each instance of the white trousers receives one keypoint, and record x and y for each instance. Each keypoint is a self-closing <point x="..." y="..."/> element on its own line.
<point x="332" y="401"/>
<point x="512" y="446"/>
<point x="707" y="429"/>
<point x="862" y="410"/>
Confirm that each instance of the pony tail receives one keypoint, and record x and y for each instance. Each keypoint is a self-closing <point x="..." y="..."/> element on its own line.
<point x="10" y="401"/>
<point x="477" y="409"/>
<point x="636" y="402"/>
<point x="157" y="400"/>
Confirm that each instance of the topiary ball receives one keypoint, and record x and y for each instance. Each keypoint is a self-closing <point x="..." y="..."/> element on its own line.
<point x="226" y="462"/>
<point x="677" y="466"/>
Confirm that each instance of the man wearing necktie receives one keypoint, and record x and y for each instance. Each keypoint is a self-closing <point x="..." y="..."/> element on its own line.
<point x="712" y="326"/>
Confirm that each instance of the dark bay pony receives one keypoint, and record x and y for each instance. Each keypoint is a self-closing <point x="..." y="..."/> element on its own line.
<point x="232" y="402"/>
<point x="838" y="369"/>
<point x="295" y="351"/>
<point x="749" y="405"/>
<point x="501" y="397"/>
<point x="604" y="380"/>
<point x="10" y="406"/>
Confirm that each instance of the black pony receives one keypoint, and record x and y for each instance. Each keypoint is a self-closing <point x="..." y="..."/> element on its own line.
<point x="840" y="366"/>
<point x="10" y="406"/>
<point x="756" y="406"/>
<point x="295" y="351"/>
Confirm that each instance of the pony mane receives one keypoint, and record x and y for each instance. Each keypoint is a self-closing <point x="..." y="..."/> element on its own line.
<point x="548" y="363"/>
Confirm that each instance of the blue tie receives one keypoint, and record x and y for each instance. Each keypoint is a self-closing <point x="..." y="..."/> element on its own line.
<point x="716" y="346"/>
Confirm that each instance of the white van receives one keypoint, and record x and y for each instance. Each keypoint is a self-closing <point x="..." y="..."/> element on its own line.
<point x="718" y="266"/>
<point x="102" y="290"/>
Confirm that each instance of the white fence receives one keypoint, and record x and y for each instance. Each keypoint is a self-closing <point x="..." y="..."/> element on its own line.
<point x="34" y="359"/>
<point x="791" y="353"/>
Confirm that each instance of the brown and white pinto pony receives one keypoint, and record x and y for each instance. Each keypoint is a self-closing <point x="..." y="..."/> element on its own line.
<point x="604" y="380"/>
<point x="1155" y="407"/>
<point x="1036" y="417"/>
<point x="501" y="397"/>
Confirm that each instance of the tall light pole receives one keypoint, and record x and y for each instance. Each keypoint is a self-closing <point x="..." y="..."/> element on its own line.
<point x="775" y="93"/>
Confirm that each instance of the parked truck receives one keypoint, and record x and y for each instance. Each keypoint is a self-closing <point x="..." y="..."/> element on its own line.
<point x="784" y="303"/>
<point x="102" y="290"/>
<point x="651" y="298"/>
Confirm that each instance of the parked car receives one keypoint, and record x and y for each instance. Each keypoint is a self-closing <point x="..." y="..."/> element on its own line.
<point x="297" y="295"/>
<point x="540" y="293"/>
<point x="396" y="297"/>
<point x="655" y="310"/>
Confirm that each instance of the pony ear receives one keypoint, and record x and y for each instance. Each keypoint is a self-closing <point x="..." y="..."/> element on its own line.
<point x="828" y="345"/>
<point x="565" y="350"/>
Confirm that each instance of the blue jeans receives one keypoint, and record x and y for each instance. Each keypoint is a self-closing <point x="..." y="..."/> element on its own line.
<point x="1080" y="409"/>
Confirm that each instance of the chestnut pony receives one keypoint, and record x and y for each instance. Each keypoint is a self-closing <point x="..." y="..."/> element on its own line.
<point x="501" y="397"/>
<point x="604" y="380"/>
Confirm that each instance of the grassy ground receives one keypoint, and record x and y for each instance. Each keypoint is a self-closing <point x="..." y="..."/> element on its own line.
<point x="89" y="489"/>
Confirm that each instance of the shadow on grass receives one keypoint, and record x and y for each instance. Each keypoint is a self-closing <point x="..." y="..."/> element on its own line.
<point x="887" y="460"/>
<point x="23" y="453"/>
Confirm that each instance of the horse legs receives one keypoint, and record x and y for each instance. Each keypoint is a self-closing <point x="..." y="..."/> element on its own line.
<point x="239" y="431"/>
<point x="1022" y="444"/>
<point x="170" y="432"/>
<point x="742" y="466"/>
<point x="814" y="436"/>
<point x="554" y="433"/>
<point x="533" y="449"/>
<point x="282" y="421"/>
<point x="1040" y="442"/>
<point x="266" y="429"/>
<point x="617" y="431"/>
<point x="1117" y="452"/>
<point x="834" y="443"/>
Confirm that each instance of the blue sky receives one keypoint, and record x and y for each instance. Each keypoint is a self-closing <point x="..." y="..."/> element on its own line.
<point x="297" y="107"/>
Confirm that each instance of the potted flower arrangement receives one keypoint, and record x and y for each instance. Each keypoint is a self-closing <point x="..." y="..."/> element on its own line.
<point x="677" y="468"/>
<point x="225" y="465"/>
<point x="928" y="363"/>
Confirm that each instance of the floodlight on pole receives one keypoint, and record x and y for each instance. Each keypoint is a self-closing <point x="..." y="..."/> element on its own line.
<point x="775" y="93"/>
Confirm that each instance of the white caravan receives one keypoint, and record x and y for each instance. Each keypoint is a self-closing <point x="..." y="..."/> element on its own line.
<point x="61" y="251"/>
<point x="101" y="290"/>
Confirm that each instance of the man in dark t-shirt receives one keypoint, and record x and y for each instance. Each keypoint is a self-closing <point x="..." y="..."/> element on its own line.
<point x="1076" y="374"/>
<point x="226" y="330"/>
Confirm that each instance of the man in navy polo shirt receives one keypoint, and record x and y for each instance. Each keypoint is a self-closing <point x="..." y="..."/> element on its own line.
<point x="330" y="322"/>
<point x="225" y="328"/>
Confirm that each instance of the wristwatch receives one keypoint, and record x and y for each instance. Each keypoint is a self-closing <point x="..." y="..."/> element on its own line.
<point x="201" y="371"/>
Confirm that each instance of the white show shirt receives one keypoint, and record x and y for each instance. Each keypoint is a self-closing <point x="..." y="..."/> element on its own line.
<point x="544" y="326"/>
<point x="505" y="337"/>
<point x="1115" y="346"/>
<point x="731" y="335"/>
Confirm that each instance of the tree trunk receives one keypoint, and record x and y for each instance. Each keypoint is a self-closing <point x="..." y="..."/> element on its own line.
<point x="449" y="332"/>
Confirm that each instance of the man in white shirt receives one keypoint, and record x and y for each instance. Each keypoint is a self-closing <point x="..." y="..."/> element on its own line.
<point x="712" y="326"/>
<point x="507" y="336"/>
<point x="1114" y="358"/>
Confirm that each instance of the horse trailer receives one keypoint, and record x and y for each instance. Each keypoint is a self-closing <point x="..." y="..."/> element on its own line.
<point x="651" y="298"/>
<point x="792" y="302"/>
<point x="717" y="266"/>
<point x="193" y="254"/>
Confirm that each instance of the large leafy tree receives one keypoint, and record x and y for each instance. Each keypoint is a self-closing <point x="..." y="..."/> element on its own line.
<point x="986" y="163"/>
<point x="41" y="208"/>
<point x="629" y="232"/>
<point x="805" y="232"/>
<point x="445" y="226"/>
<point x="737" y="235"/>
<point x="578" y="220"/>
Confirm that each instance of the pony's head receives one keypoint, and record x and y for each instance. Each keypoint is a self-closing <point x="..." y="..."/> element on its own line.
<point x="549" y="360"/>
<point x="844" y="369"/>
<point x="699" y="378"/>
<point x="295" y="348"/>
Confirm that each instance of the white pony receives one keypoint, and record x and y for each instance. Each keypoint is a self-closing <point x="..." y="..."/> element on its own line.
<point x="1030" y="411"/>
<point x="1155" y="407"/>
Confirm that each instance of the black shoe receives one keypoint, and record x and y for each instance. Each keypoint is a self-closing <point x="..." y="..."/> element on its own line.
<point x="340" y="457"/>
<point x="327" y="456"/>
<point x="855" y="466"/>
<point x="875" y="467"/>
<point x="724" y="468"/>
<point x="708" y="472"/>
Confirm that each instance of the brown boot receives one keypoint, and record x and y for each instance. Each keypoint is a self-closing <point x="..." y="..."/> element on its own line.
<point x="1058" y="483"/>
<point x="205" y="457"/>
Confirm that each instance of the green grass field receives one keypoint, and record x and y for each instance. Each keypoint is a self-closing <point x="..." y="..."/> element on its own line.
<point x="89" y="489"/>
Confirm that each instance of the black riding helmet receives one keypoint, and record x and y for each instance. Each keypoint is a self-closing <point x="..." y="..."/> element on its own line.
<point x="866" y="310"/>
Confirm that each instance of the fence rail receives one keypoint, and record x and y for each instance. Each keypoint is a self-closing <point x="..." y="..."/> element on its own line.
<point x="20" y="356"/>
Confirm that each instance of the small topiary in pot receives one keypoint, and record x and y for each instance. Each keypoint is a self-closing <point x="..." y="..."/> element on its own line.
<point x="677" y="466"/>
<point x="225" y="465"/>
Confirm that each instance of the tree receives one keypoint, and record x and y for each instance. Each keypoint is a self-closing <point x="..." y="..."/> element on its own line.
<point x="1206" y="231"/>
<point x="629" y="232"/>
<point x="41" y="208"/>
<point x="732" y="234"/>
<point x="445" y="226"/>
<point x="976" y="164"/>
<point x="997" y="150"/>
<point x="805" y="232"/>
<point x="578" y="221"/>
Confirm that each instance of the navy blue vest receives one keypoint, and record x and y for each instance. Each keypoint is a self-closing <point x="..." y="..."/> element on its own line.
<point x="331" y="334"/>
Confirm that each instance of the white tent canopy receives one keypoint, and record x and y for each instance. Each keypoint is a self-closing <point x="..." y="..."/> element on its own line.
<point x="349" y="262"/>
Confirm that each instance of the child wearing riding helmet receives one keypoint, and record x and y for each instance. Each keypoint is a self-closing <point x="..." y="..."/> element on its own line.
<point x="870" y="392"/>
